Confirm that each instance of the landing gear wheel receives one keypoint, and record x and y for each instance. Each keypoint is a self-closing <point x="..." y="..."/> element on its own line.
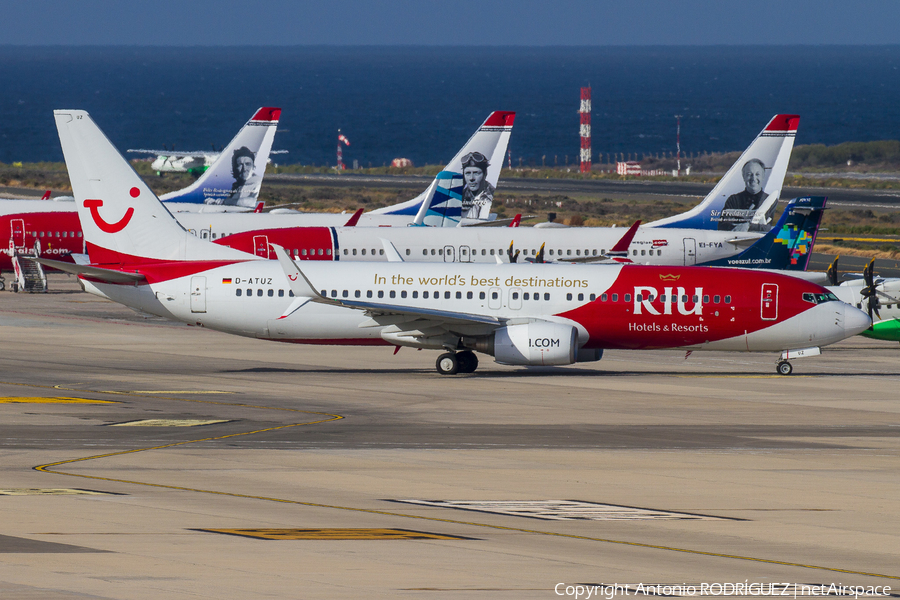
<point x="447" y="364"/>
<point x="467" y="360"/>
<point x="784" y="368"/>
<point x="2" y="284"/>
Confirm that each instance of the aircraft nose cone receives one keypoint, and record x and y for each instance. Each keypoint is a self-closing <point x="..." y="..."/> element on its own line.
<point x="855" y="320"/>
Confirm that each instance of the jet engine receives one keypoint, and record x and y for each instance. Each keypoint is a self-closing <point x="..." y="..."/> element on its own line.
<point x="538" y="343"/>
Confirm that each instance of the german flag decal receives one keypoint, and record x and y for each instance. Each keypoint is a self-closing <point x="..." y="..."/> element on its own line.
<point x="226" y="280"/>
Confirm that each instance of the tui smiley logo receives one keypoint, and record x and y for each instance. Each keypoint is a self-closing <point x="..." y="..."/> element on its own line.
<point x="106" y="226"/>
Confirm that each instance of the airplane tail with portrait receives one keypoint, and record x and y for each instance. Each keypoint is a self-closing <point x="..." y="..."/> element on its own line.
<point x="217" y="188"/>
<point x="788" y="245"/>
<point x="123" y="221"/>
<point x="448" y="202"/>
<point x="769" y="153"/>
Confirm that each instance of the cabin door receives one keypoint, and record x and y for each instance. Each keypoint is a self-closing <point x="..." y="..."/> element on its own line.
<point x="769" y="308"/>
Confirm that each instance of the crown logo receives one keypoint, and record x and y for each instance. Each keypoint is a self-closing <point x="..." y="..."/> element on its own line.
<point x="670" y="277"/>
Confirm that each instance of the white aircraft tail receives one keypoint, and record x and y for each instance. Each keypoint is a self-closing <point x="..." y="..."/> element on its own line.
<point x="236" y="176"/>
<point x="746" y="197"/>
<point x="122" y="220"/>
<point x="465" y="188"/>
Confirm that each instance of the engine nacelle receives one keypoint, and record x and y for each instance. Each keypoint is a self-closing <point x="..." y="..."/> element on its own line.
<point x="532" y="344"/>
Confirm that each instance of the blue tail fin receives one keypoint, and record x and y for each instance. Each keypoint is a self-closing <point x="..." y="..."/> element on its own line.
<point x="787" y="246"/>
<point x="222" y="184"/>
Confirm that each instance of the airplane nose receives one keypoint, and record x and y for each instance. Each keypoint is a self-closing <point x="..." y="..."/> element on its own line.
<point x="855" y="320"/>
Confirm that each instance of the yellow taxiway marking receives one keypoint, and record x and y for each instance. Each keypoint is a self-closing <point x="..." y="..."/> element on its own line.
<point x="169" y="423"/>
<point x="52" y="400"/>
<point x="49" y="468"/>
<point x="335" y="534"/>
<point x="173" y="392"/>
<point x="50" y="492"/>
<point x="786" y="378"/>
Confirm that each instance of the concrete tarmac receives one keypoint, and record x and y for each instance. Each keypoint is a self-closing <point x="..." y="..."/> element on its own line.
<point x="708" y="469"/>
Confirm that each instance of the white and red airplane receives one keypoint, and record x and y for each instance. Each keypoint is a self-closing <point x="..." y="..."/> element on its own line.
<point x="522" y="314"/>
<point x="231" y="186"/>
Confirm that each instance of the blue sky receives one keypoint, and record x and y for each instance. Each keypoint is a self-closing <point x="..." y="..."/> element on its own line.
<point x="454" y="23"/>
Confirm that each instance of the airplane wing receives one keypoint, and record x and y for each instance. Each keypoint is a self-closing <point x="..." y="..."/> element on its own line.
<point x="383" y="313"/>
<point x="198" y="153"/>
<point x="100" y="273"/>
<point x="495" y="222"/>
<point x="746" y="241"/>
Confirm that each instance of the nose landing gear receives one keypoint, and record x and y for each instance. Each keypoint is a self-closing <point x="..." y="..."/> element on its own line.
<point x="784" y="367"/>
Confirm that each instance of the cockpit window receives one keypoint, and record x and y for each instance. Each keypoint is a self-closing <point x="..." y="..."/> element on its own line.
<point x="820" y="298"/>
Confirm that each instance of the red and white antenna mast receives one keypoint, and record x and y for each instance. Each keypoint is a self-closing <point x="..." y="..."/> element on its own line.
<point x="340" y="151"/>
<point x="585" y="129"/>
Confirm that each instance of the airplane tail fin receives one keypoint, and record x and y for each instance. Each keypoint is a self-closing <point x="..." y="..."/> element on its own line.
<point x="123" y="222"/>
<point x="787" y="246"/>
<point x="452" y="197"/>
<point x="746" y="197"/>
<point x="227" y="182"/>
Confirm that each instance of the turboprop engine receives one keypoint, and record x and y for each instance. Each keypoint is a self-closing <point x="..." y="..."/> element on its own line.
<point x="539" y="343"/>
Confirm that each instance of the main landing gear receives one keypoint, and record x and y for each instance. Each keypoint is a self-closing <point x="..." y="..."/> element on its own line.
<point x="459" y="362"/>
<point x="783" y="367"/>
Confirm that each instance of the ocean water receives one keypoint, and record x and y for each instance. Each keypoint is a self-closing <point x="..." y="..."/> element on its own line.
<point x="423" y="103"/>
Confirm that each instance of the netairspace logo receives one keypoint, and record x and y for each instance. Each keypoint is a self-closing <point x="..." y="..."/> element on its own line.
<point x="745" y="588"/>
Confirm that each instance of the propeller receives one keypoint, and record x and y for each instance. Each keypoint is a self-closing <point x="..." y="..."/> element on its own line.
<point x="512" y="257"/>
<point x="870" y="292"/>
<point x="832" y="271"/>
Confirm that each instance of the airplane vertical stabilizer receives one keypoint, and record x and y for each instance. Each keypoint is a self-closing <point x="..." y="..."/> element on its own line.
<point x="122" y="220"/>
<point x="225" y="183"/>
<point x="746" y="197"/>
<point x="452" y="196"/>
<point x="787" y="246"/>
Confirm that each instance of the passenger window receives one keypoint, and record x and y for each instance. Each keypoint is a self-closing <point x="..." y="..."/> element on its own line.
<point x="320" y="252"/>
<point x="368" y="293"/>
<point x="446" y="295"/>
<point x="345" y="294"/>
<point x="354" y="252"/>
<point x="593" y="297"/>
<point x="425" y="295"/>
<point x="441" y="251"/>
<point x="281" y="293"/>
<point x="468" y="295"/>
<point x="716" y="299"/>
<point x="393" y="294"/>
<point x="627" y="297"/>
<point x="328" y="252"/>
<point x="603" y="297"/>
<point x="403" y="293"/>
<point x="578" y="252"/>
<point x="483" y="251"/>
<point x="271" y="293"/>
<point x="334" y="293"/>
<point x="580" y="297"/>
<point x="615" y="297"/>
<point x="424" y="252"/>
<point x="492" y="251"/>
<point x="659" y="252"/>
<point x="381" y="293"/>
<point x="481" y="295"/>
<point x="357" y="293"/>
<point x="568" y="253"/>
<point x="459" y="296"/>
<point x="546" y="296"/>
<point x="695" y="298"/>
<point x="727" y="299"/>
<point x="291" y="293"/>
<point x="259" y="292"/>
<point x="363" y="252"/>
<point x="705" y="299"/>
<point x="634" y="252"/>
<point x="249" y="292"/>
<point x="432" y="251"/>
<point x="494" y="295"/>
<point x="568" y="296"/>
<point x="381" y="252"/>
<point x="303" y="252"/>
<point x="346" y="252"/>
<point x="525" y="296"/>
<point x="643" y="253"/>
<point x="415" y="294"/>
<point x="515" y="295"/>
<point x="237" y="292"/>
<point x="407" y="252"/>
<point x="551" y="252"/>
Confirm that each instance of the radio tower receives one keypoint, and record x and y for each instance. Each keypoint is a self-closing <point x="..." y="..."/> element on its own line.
<point x="585" y="129"/>
<point x="340" y="152"/>
<point x="678" y="143"/>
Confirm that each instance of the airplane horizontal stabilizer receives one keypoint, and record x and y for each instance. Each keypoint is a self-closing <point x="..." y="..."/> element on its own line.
<point x="100" y="273"/>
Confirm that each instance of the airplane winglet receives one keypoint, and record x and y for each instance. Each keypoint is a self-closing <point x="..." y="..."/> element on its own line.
<point x="625" y="241"/>
<point x="354" y="219"/>
<point x="516" y="220"/>
<point x="390" y="251"/>
<point x="259" y="207"/>
<point x="46" y="195"/>
<point x="297" y="281"/>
